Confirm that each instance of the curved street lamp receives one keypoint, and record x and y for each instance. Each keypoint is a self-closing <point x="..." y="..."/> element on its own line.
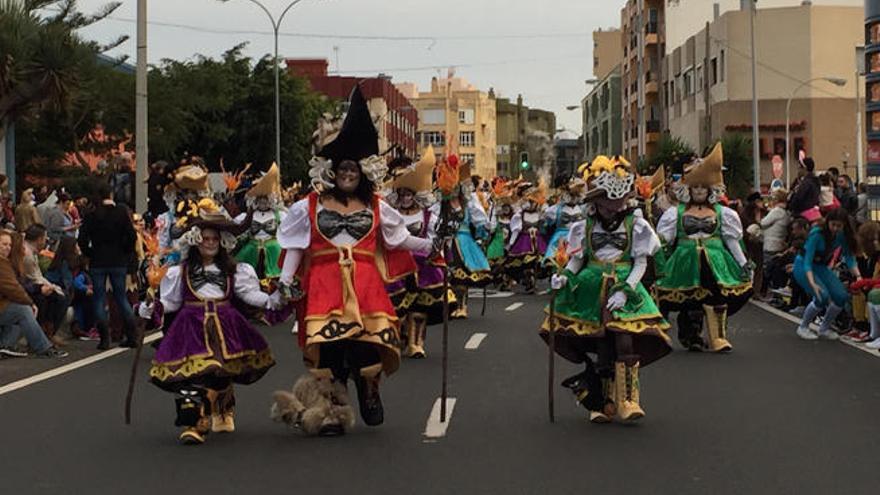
<point x="276" y="26"/>
<point x="837" y="81"/>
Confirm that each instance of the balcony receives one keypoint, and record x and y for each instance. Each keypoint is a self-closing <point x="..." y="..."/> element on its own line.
<point x="652" y="131"/>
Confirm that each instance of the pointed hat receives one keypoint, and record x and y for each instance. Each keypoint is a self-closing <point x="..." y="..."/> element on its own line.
<point x="267" y="185"/>
<point x="418" y="177"/>
<point x="358" y="138"/>
<point x="707" y="171"/>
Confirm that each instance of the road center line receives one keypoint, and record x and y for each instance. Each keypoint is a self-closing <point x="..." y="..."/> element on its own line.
<point x="795" y="319"/>
<point x="26" y="382"/>
<point x="513" y="307"/>
<point x="434" y="428"/>
<point x="475" y="341"/>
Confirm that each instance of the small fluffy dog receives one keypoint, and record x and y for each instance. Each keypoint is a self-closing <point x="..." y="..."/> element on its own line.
<point x="315" y="406"/>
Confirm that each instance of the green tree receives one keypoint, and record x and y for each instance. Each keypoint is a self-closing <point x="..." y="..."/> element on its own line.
<point x="671" y="150"/>
<point x="738" y="164"/>
<point x="44" y="63"/>
<point x="224" y="109"/>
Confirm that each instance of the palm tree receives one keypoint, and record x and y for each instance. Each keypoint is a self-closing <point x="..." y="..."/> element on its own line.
<point x="44" y="62"/>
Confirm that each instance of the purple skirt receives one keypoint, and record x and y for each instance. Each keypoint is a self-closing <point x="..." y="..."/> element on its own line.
<point x="196" y="347"/>
<point x="526" y="245"/>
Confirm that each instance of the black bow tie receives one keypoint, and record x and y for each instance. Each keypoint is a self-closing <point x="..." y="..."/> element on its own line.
<point x="602" y="239"/>
<point x="695" y="225"/>
<point x="199" y="277"/>
<point x="357" y="224"/>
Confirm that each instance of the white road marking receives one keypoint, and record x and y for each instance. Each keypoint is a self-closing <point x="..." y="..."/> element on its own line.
<point x="796" y="320"/>
<point x="475" y="341"/>
<point x="25" y="382"/>
<point x="513" y="307"/>
<point x="490" y="294"/>
<point x="434" y="428"/>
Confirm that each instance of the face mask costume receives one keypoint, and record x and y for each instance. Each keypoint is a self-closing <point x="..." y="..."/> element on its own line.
<point x="622" y="327"/>
<point x="259" y="247"/>
<point x="703" y="271"/>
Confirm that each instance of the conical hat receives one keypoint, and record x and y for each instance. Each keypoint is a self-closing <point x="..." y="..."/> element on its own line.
<point x="191" y="178"/>
<point x="708" y="171"/>
<point x="267" y="185"/>
<point x="358" y="138"/>
<point x="418" y="177"/>
<point x="659" y="178"/>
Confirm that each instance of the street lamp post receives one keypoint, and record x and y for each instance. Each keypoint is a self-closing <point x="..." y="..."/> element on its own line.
<point x="276" y="26"/>
<point x="833" y="80"/>
<point x="756" y="155"/>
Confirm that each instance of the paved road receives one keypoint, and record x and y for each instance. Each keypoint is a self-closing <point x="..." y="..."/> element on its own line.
<point x="779" y="415"/>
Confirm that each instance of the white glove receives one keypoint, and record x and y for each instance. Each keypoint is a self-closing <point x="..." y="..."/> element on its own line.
<point x="145" y="310"/>
<point x="616" y="301"/>
<point x="275" y="301"/>
<point x="558" y="281"/>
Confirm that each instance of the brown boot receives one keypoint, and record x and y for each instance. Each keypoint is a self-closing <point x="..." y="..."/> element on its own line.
<point x="418" y="323"/>
<point x="716" y="324"/>
<point x="367" y="383"/>
<point x="626" y="386"/>
<point x="223" y="412"/>
<point x="195" y="435"/>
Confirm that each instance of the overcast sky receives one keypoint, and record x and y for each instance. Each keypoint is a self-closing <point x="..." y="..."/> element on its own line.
<point x="539" y="48"/>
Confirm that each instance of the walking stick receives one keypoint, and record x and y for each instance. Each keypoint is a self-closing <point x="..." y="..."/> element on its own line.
<point x="139" y="329"/>
<point x="551" y="344"/>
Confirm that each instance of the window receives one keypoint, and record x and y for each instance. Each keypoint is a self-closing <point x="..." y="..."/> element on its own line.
<point x="468" y="158"/>
<point x="466" y="138"/>
<point x="433" y="116"/>
<point x="466" y="116"/>
<point x="434" y="138"/>
<point x="714" y="72"/>
<point x="688" y="82"/>
<point x="699" y="74"/>
<point x="722" y="66"/>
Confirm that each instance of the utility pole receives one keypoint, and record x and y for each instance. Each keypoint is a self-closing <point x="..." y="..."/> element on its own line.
<point x="141" y="148"/>
<point x="756" y="154"/>
<point x="706" y="85"/>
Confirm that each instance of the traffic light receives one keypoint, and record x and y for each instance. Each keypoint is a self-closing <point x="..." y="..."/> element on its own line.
<point x="524" y="160"/>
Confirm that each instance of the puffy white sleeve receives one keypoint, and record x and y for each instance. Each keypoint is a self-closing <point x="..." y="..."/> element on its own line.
<point x="644" y="240"/>
<point x="478" y="214"/>
<point x="550" y="213"/>
<point x="575" y="242"/>
<point x="394" y="232"/>
<point x="295" y="231"/>
<point x="667" y="226"/>
<point x="170" y="290"/>
<point x="240" y="218"/>
<point x="515" y="227"/>
<point x="732" y="233"/>
<point x="433" y="220"/>
<point x="247" y="287"/>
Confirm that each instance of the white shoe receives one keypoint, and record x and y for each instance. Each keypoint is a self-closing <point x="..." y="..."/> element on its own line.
<point x="829" y="335"/>
<point x="797" y="311"/>
<point x="806" y="334"/>
<point x="874" y="344"/>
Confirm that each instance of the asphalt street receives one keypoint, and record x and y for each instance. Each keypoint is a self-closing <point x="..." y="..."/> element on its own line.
<point x="778" y="415"/>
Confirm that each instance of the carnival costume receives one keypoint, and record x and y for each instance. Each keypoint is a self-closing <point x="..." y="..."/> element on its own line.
<point x="468" y="266"/>
<point x="418" y="299"/>
<point x="499" y="221"/>
<point x="186" y="186"/>
<point x="601" y="306"/>
<point x="342" y="261"/>
<point x="259" y="246"/>
<point x="703" y="269"/>
<point x="527" y="245"/>
<point x="560" y="217"/>
<point x="816" y="258"/>
<point x="209" y="345"/>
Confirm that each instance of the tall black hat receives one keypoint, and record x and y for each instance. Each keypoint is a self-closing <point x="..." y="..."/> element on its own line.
<point x="358" y="138"/>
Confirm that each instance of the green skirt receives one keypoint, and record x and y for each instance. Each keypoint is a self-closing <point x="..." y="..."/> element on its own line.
<point x="268" y="252"/>
<point x="579" y="313"/>
<point x="495" y="249"/>
<point x="679" y="272"/>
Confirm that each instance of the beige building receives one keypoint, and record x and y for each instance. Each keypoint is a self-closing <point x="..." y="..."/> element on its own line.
<point x="642" y="24"/>
<point x="607" y="52"/>
<point x="456" y="116"/>
<point x="522" y="129"/>
<point x="686" y="17"/>
<point x="795" y="45"/>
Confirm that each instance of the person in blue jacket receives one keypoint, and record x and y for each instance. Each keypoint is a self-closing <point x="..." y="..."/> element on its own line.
<point x="834" y="238"/>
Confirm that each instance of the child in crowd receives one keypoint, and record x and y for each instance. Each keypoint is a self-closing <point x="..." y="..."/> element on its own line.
<point x="869" y="241"/>
<point x="63" y="271"/>
<point x="827" y="200"/>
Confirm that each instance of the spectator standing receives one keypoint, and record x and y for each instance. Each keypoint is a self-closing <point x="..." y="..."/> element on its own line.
<point x="107" y="238"/>
<point x="17" y="310"/>
<point x="846" y="194"/>
<point x="156" y="183"/>
<point x="49" y="298"/>
<point x="774" y="227"/>
<point x="827" y="198"/>
<point x="58" y="221"/>
<point x="26" y="212"/>
<point x="862" y="204"/>
<point x="804" y="200"/>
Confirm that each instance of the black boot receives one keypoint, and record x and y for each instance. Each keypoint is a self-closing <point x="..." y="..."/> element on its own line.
<point x="367" y="383"/>
<point x="587" y="389"/>
<point x="130" y="340"/>
<point x="104" y="332"/>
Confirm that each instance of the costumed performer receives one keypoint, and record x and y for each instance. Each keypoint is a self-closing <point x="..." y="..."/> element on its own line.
<point x="527" y="243"/>
<point x="560" y="217"/>
<point x="259" y="246"/>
